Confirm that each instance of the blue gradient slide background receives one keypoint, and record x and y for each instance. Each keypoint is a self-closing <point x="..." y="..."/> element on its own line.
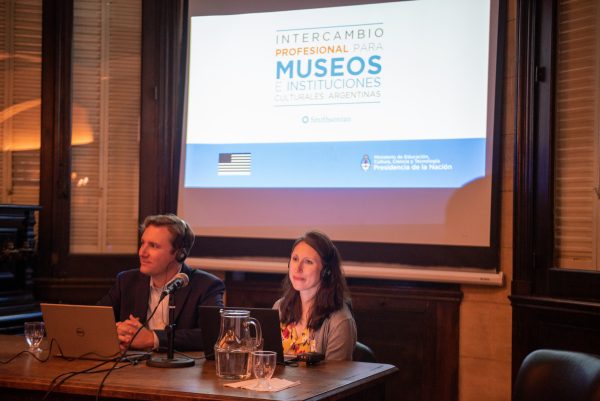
<point x="391" y="164"/>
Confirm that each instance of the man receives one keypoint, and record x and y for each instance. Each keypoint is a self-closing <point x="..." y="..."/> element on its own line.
<point x="166" y="242"/>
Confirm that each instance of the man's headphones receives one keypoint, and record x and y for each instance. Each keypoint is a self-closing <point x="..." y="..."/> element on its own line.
<point x="187" y="240"/>
<point x="181" y="255"/>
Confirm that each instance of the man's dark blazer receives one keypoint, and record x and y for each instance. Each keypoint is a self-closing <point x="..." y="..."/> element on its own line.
<point x="131" y="292"/>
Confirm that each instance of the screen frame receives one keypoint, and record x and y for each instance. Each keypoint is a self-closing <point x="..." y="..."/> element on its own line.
<point x="484" y="257"/>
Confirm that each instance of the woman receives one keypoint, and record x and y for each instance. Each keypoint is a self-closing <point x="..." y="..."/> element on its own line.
<point x="314" y="310"/>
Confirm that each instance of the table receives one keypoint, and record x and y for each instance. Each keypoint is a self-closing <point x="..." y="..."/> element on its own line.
<point x="25" y="378"/>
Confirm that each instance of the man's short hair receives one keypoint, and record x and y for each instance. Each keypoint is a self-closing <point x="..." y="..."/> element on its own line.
<point x="182" y="236"/>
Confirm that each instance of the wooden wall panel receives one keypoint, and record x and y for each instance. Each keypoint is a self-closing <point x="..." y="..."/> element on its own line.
<point x="540" y="322"/>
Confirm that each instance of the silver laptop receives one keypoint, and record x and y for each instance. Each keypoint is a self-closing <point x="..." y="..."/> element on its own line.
<point x="81" y="331"/>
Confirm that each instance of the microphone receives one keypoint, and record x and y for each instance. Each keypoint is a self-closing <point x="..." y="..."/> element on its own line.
<point x="171" y="361"/>
<point x="180" y="281"/>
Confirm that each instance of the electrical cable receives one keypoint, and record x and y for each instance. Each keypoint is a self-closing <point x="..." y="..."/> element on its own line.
<point x="33" y="354"/>
<point x="101" y="385"/>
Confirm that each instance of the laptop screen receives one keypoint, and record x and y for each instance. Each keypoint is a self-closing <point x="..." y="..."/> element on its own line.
<point x="210" y="324"/>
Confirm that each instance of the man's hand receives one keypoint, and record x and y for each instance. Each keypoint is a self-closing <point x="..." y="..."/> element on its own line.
<point x="127" y="329"/>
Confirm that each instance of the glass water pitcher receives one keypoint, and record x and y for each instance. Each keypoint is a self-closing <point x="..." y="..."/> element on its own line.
<point x="235" y="344"/>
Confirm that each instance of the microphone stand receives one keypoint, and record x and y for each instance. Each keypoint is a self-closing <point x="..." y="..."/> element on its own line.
<point x="170" y="361"/>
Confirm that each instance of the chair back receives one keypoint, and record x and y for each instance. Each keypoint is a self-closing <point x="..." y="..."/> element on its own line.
<point x="362" y="353"/>
<point x="552" y="375"/>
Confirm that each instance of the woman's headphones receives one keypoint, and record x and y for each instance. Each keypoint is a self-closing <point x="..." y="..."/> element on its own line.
<point x="325" y="272"/>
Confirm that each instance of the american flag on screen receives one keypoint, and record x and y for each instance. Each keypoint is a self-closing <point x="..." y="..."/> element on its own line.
<point x="235" y="164"/>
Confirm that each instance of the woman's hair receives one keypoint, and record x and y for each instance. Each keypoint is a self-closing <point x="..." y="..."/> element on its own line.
<point x="332" y="292"/>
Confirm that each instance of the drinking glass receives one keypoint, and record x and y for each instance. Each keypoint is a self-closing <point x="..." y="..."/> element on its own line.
<point x="34" y="333"/>
<point x="263" y="366"/>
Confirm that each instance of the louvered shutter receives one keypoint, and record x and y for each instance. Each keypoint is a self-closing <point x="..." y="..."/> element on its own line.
<point x="106" y="113"/>
<point x="576" y="136"/>
<point x="20" y="86"/>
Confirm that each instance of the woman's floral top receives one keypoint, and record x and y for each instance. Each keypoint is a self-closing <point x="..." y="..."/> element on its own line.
<point x="293" y="343"/>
